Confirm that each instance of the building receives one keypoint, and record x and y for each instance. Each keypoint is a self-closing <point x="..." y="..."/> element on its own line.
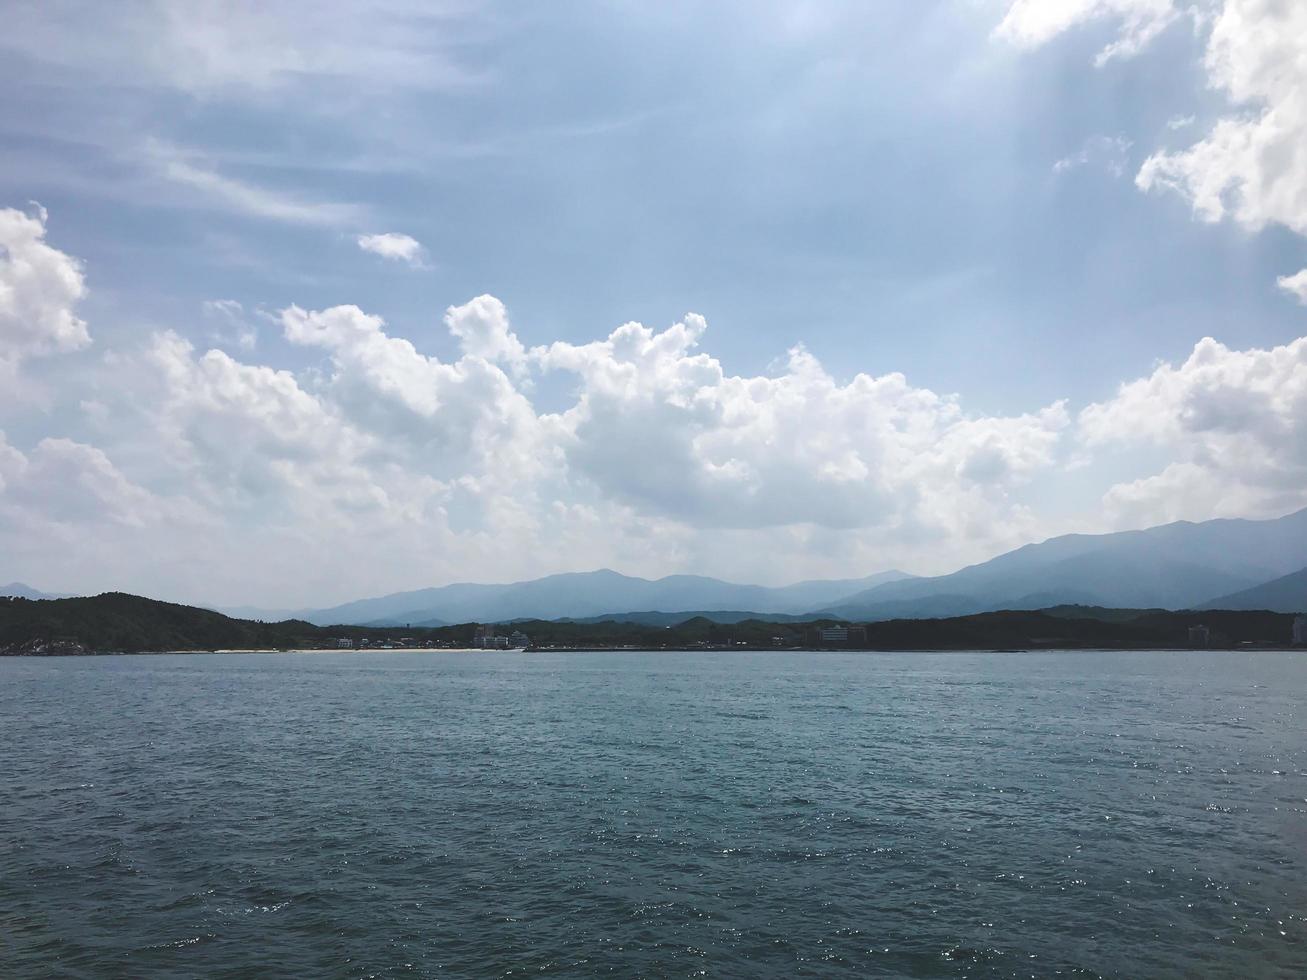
<point x="519" y="639"/>
<point x="837" y="636"/>
<point x="485" y="638"/>
<point x="344" y="644"/>
<point x="1300" y="631"/>
<point x="1199" y="636"/>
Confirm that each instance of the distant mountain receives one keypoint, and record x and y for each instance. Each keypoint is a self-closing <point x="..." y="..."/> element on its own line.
<point x="723" y="617"/>
<point x="1286" y="594"/>
<point x="1173" y="566"/>
<point x="589" y="594"/>
<point x="258" y="613"/>
<point x="19" y="590"/>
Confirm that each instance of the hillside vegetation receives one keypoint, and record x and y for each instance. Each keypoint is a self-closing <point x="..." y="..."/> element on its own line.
<point x="115" y="622"/>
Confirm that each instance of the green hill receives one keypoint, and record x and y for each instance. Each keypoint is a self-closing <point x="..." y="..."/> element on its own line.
<point x="114" y="622"/>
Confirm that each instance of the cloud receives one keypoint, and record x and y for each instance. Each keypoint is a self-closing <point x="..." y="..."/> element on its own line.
<point x="664" y="429"/>
<point x="1295" y="284"/>
<point x="1108" y="152"/>
<point x="466" y="418"/>
<point x="209" y="48"/>
<point x="482" y="329"/>
<point x="1251" y="166"/>
<point x="372" y="455"/>
<point x="393" y="245"/>
<point x="233" y="327"/>
<point x="1231" y="424"/>
<point x="382" y="456"/>
<point x="245" y="198"/>
<point x="1030" y="23"/>
<point x="40" y="288"/>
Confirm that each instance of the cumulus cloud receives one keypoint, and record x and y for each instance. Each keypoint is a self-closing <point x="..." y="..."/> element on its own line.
<point x="393" y="245"/>
<point x="1295" y="285"/>
<point x="432" y="468"/>
<point x="465" y="419"/>
<point x="40" y="287"/>
<point x="1251" y="166"/>
<point x="663" y="428"/>
<point x="376" y="455"/>
<point x="1233" y="425"/>
<point x="482" y="329"/>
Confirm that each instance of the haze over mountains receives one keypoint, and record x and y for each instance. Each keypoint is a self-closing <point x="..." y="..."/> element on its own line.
<point x="1219" y="564"/>
<point x="1285" y="594"/>
<point x="578" y="595"/>
<point x="1173" y="566"/>
<point x="23" y="591"/>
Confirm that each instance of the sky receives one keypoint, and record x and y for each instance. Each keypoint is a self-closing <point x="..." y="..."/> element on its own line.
<point x="301" y="303"/>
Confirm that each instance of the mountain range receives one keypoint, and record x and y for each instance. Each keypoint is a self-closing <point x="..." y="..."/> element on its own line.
<point x="117" y="623"/>
<point x="1182" y="565"/>
<point x="1218" y="564"/>
<point x="1285" y="594"/>
<point x="580" y="595"/>
<point x="21" y="591"/>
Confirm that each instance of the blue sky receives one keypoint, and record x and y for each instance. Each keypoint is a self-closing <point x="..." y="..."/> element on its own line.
<point x="957" y="192"/>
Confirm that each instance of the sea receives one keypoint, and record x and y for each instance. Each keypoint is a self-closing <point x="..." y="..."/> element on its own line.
<point x="651" y="814"/>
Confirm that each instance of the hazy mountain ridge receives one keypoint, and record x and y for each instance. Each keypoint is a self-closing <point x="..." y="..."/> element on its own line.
<point x="1172" y="566"/>
<point x="580" y="595"/>
<point x="1286" y="594"/>
<point x="20" y="590"/>
<point x="1225" y="563"/>
<point x="116" y="622"/>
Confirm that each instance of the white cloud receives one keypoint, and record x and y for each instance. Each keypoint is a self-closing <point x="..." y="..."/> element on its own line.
<point x="393" y="245"/>
<point x="421" y="470"/>
<point x="466" y="418"/>
<point x="385" y="458"/>
<point x="1295" y="284"/>
<point x="214" y="47"/>
<point x="1232" y="424"/>
<point x="1251" y="166"/>
<point x="482" y="329"/>
<point x="40" y="287"/>
<point x="664" y="429"/>
<point x="233" y="326"/>
<point x="245" y="198"/>
<point x="1108" y="152"/>
<point x="1034" y="22"/>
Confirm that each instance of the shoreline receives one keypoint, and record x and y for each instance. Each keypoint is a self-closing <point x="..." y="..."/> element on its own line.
<point x="651" y="650"/>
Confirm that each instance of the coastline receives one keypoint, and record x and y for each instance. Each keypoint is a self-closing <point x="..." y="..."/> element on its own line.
<point x="1287" y="648"/>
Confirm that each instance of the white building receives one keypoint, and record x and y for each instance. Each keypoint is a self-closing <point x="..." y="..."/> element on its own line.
<point x="343" y="644"/>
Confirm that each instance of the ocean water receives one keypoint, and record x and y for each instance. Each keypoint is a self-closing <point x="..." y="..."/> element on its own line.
<point x="729" y="815"/>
